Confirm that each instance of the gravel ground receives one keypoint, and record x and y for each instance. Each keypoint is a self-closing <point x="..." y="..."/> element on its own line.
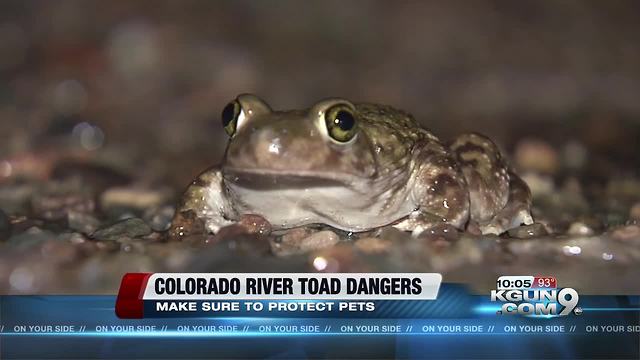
<point x="78" y="233"/>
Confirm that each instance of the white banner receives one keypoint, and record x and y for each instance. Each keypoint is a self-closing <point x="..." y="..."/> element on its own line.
<point x="292" y="286"/>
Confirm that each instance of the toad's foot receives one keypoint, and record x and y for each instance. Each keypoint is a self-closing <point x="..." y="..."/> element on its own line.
<point x="515" y="213"/>
<point x="499" y="199"/>
<point x="203" y="199"/>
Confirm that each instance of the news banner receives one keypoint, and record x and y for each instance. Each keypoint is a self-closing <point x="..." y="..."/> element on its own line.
<point x="290" y="315"/>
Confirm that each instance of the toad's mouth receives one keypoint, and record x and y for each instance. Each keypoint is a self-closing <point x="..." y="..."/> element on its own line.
<point x="291" y="179"/>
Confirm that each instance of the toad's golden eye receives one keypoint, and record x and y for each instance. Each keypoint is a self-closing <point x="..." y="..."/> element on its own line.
<point x="341" y="123"/>
<point x="230" y="115"/>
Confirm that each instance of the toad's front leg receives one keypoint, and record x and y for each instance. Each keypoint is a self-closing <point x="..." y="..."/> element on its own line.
<point x="204" y="201"/>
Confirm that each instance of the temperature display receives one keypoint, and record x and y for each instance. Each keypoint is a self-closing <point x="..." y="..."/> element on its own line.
<point x="545" y="282"/>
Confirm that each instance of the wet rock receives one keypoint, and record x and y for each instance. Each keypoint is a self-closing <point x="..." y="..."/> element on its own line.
<point x="579" y="228"/>
<point x="5" y="226"/>
<point x="371" y="245"/>
<point x="225" y="233"/>
<point x="528" y="231"/>
<point x="585" y="226"/>
<point x="536" y="156"/>
<point x="129" y="228"/>
<point x="133" y="198"/>
<point x="20" y="223"/>
<point x="627" y="233"/>
<point x="302" y="240"/>
<point x="82" y="222"/>
<point x="58" y="206"/>
<point x="255" y="224"/>
<point x="72" y="237"/>
<point x="159" y="219"/>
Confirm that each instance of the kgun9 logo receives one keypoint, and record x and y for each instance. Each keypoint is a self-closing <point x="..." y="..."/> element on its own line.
<point x="525" y="300"/>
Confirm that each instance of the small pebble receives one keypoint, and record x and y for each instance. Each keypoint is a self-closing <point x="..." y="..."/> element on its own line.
<point x="133" y="198"/>
<point x="536" y="156"/>
<point x="528" y="231"/>
<point x="159" y="219"/>
<point x="255" y="224"/>
<point x="82" y="222"/>
<point x="132" y="228"/>
<point x="371" y="245"/>
<point x="627" y="233"/>
<point x="58" y="206"/>
<point x="579" y="228"/>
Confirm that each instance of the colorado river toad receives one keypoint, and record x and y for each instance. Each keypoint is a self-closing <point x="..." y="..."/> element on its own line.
<point x="355" y="167"/>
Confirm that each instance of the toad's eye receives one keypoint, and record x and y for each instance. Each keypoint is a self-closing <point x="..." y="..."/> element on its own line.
<point x="230" y="115"/>
<point x="341" y="123"/>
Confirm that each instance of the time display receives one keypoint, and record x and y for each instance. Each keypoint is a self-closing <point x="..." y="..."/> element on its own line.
<point x="526" y="282"/>
<point x="514" y="282"/>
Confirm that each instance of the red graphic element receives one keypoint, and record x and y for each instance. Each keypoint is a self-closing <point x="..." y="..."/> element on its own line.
<point x="545" y="282"/>
<point x="129" y="304"/>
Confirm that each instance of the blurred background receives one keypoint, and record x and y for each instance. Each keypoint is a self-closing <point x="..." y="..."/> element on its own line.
<point x="115" y="104"/>
<point x="152" y="76"/>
